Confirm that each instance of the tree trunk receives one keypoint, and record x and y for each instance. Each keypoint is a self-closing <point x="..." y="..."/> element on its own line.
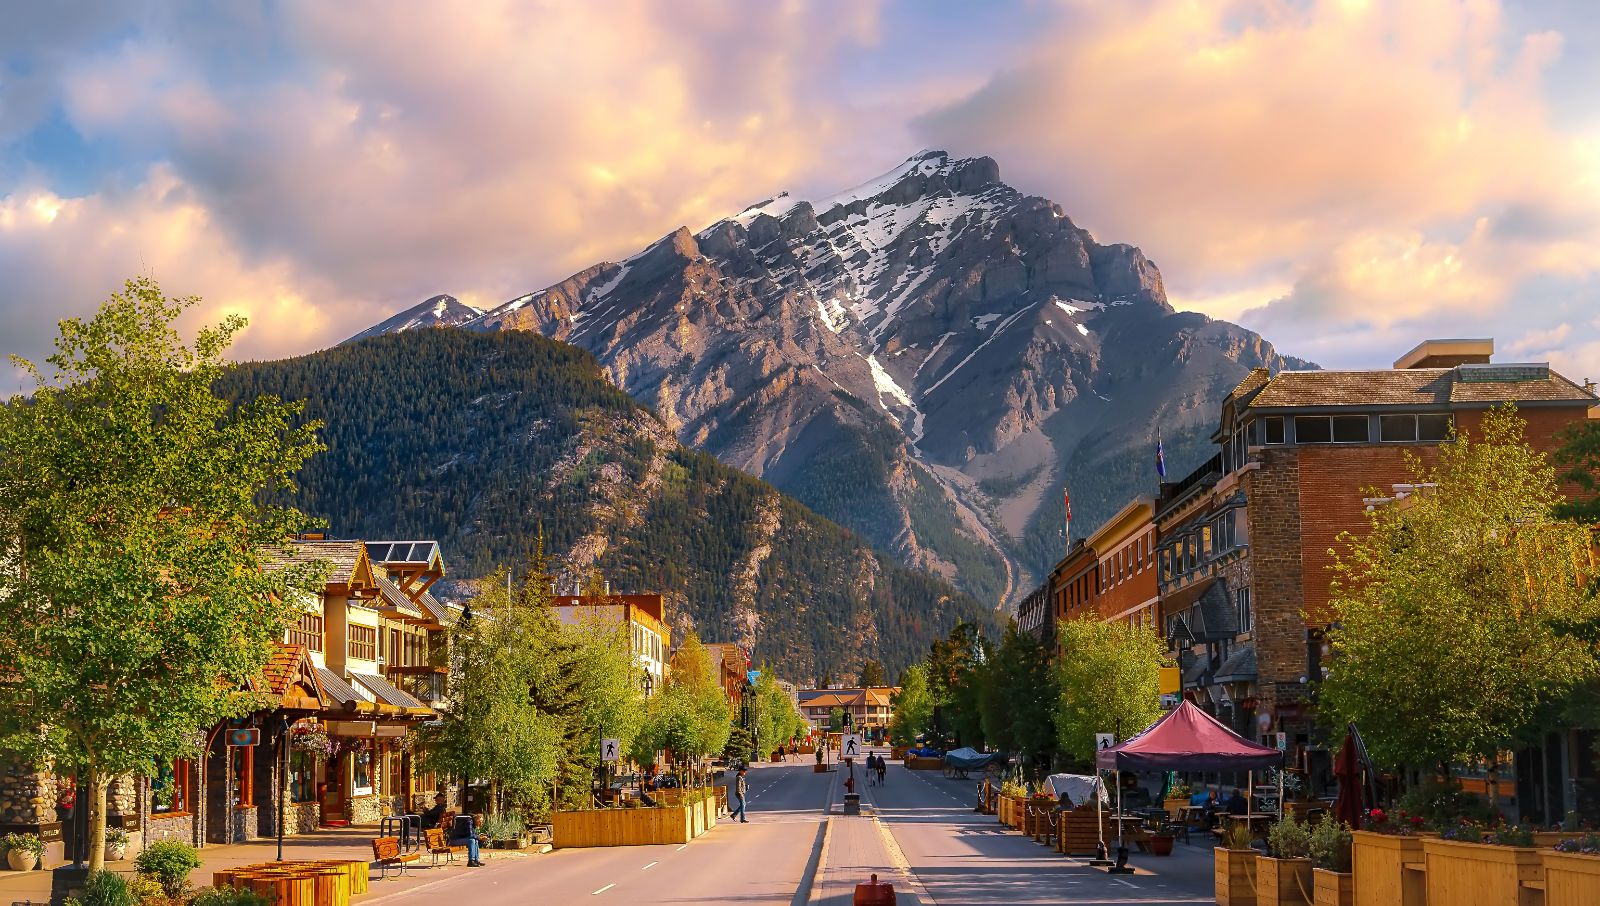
<point x="95" y="781"/>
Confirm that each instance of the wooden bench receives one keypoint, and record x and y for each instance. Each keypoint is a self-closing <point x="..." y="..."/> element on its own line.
<point x="386" y="852"/>
<point x="439" y="846"/>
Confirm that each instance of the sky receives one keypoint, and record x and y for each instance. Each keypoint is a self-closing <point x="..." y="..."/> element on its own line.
<point x="1345" y="177"/>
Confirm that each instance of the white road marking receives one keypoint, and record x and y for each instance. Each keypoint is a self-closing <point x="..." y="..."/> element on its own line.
<point x="1128" y="883"/>
<point x="602" y="890"/>
<point x="650" y="866"/>
<point x="682" y="848"/>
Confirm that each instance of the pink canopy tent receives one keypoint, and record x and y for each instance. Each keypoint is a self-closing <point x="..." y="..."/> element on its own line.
<point x="1187" y="739"/>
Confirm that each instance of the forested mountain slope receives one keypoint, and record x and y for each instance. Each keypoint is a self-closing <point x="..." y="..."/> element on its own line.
<point x="482" y="439"/>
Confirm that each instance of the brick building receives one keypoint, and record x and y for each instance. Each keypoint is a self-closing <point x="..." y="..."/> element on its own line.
<point x="1244" y="543"/>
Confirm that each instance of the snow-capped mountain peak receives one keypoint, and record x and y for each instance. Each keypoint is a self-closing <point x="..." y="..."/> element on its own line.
<point x="437" y="311"/>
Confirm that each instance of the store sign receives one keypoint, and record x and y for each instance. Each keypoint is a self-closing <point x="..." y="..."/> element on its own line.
<point x="350" y="728"/>
<point x="248" y="736"/>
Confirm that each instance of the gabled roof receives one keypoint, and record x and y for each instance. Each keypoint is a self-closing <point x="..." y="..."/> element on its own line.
<point x="291" y="676"/>
<point x="347" y="560"/>
<point x="1239" y="667"/>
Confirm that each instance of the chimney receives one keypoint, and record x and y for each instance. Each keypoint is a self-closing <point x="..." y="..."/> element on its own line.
<point x="1446" y="354"/>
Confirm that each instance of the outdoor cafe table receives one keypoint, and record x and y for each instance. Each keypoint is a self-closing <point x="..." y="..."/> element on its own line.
<point x="1252" y="819"/>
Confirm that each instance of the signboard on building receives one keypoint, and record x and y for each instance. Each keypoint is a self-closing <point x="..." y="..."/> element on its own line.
<point x="1170" y="701"/>
<point x="247" y="736"/>
<point x="610" y="750"/>
<point x="1171" y="681"/>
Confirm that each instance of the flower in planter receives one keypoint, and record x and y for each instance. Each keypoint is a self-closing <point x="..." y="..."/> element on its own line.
<point x="1588" y="844"/>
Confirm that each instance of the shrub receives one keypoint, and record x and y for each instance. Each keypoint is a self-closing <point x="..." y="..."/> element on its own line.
<point x="1443" y="804"/>
<point x="170" y="863"/>
<point x="1239" y="835"/>
<point x="504" y="826"/>
<point x="1290" y="838"/>
<point x="107" y="888"/>
<point x="147" y="891"/>
<point x="1330" y="844"/>
<point x="229" y="896"/>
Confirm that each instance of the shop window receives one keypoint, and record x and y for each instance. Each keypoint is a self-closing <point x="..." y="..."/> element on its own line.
<point x="395" y="778"/>
<point x="169" y="789"/>
<point x="241" y="761"/>
<point x="307" y="631"/>
<point x="361" y="770"/>
<point x="364" y="642"/>
<point x="302" y="776"/>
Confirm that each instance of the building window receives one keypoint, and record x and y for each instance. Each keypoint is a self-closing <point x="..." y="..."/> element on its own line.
<point x="302" y="776"/>
<point x="1273" y="425"/>
<point x="1246" y="619"/>
<point x="1324" y="429"/>
<point x="1408" y="428"/>
<point x="395" y="778"/>
<point x="169" y="789"/>
<point x="364" y="642"/>
<point x="241" y="761"/>
<point x="307" y="631"/>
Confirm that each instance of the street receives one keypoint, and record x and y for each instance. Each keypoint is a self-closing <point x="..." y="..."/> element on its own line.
<point x="957" y="855"/>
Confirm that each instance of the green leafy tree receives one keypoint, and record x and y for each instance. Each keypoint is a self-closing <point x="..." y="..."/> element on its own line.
<point x="691" y="717"/>
<point x="1456" y="611"/>
<point x="1109" y="677"/>
<point x="137" y="544"/>
<point x="912" y="706"/>
<point x="835" y="720"/>
<point x="494" y="728"/>
<point x="1579" y="462"/>
<point x="872" y="674"/>
<point x="773" y="713"/>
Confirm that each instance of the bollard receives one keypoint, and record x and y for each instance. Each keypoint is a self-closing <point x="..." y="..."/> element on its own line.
<point x="874" y="893"/>
<point x="852" y="803"/>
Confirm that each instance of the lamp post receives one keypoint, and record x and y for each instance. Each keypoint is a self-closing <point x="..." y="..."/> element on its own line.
<point x="283" y="777"/>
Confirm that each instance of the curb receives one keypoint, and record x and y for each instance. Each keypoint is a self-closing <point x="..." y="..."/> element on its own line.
<point x="811" y="881"/>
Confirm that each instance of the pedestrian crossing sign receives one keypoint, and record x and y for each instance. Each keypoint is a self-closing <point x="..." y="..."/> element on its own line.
<point x="851" y="747"/>
<point x="610" y="749"/>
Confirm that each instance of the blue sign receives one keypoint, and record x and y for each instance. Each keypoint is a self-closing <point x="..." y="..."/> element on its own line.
<point x="751" y="676"/>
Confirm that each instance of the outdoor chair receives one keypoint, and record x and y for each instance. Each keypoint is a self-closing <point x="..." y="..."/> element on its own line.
<point x="386" y="852"/>
<point x="439" y="846"/>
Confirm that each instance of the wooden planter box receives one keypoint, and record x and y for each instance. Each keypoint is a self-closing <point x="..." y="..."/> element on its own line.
<point x="919" y="763"/>
<point x="1019" y="812"/>
<point x="1283" y="882"/>
<point x="898" y="753"/>
<point x="1570" y="879"/>
<point x="1236" y="876"/>
<point x="1037" y="819"/>
<point x="1077" y="833"/>
<point x="1174" y="807"/>
<point x="1476" y="874"/>
<point x="1334" y="888"/>
<point x="1379" y="876"/>
<point x="633" y="826"/>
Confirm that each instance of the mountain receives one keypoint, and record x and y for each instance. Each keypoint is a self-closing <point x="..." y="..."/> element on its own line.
<point x="483" y="440"/>
<point x="439" y="311"/>
<point x="928" y="359"/>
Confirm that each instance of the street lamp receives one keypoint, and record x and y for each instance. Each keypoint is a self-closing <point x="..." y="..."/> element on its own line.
<point x="648" y="682"/>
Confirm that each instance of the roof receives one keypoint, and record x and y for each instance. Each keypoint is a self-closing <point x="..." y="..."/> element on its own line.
<point x="393" y="596"/>
<point x="348" y="559"/>
<point x="830" y="700"/>
<point x="1239" y="667"/>
<point x="1420" y="387"/>
<point x="284" y="666"/>
<point x="433" y="607"/>
<point x="388" y="694"/>
<point x="1187" y="739"/>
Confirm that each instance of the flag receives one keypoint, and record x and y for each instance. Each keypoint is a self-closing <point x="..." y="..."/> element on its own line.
<point x="1066" y="500"/>
<point x="1161" y="457"/>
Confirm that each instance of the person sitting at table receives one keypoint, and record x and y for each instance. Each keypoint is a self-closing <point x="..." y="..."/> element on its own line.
<point x="1237" y="804"/>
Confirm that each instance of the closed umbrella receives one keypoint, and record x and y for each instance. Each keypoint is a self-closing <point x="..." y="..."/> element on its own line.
<point x="1347" y="768"/>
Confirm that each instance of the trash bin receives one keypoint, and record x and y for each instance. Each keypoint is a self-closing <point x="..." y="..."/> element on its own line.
<point x="852" y="803"/>
<point x="874" y="893"/>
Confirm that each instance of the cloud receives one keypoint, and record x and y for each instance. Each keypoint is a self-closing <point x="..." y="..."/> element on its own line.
<point x="1395" y="165"/>
<point x="381" y="158"/>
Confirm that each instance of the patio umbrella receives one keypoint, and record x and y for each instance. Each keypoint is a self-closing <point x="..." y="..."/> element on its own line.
<point x="1347" y="768"/>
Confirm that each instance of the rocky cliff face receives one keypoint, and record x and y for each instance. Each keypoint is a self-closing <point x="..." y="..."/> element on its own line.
<point x="927" y="358"/>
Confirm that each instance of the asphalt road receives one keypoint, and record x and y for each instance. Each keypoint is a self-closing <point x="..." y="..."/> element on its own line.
<point x="962" y="857"/>
<point x="757" y="863"/>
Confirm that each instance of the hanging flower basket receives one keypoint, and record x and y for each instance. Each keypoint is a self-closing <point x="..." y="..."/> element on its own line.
<point x="316" y="742"/>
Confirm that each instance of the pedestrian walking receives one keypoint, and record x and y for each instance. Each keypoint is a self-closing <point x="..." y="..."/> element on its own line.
<point x="883" y="770"/>
<point x="739" y="790"/>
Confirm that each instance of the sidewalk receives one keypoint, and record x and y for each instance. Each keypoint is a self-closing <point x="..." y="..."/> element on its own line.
<point x="856" y="847"/>
<point x="352" y="843"/>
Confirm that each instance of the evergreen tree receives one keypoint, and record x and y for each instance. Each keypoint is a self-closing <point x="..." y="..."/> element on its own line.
<point x="872" y="674"/>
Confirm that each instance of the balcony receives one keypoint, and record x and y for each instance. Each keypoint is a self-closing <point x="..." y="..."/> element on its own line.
<point x="423" y="682"/>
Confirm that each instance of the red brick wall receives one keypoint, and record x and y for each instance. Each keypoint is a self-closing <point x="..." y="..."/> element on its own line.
<point x="1137" y="583"/>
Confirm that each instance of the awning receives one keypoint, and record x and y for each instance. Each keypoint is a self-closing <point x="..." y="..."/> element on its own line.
<point x="389" y="695"/>
<point x="1187" y="739"/>
<point x="342" y="696"/>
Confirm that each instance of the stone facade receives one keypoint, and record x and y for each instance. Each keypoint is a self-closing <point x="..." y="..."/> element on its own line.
<point x="367" y="809"/>
<point x="1277" y="589"/>
<point x="27" y="798"/>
